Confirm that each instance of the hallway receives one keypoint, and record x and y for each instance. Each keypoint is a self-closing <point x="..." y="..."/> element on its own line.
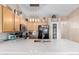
<point x="62" y="46"/>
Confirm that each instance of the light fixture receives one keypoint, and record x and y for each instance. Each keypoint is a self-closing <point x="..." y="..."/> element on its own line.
<point x="29" y="20"/>
<point x="33" y="20"/>
<point x="34" y="5"/>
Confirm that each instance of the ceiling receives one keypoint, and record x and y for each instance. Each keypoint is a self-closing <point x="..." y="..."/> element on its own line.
<point x="45" y="10"/>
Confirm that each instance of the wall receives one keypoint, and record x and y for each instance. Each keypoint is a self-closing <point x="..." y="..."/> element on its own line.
<point x="70" y="26"/>
<point x="74" y="25"/>
<point x="64" y="27"/>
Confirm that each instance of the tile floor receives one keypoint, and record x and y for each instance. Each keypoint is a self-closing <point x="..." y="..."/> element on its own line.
<point x="28" y="46"/>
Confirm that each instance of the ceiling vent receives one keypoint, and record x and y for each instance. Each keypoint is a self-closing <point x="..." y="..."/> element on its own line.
<point x="34" y="5"/>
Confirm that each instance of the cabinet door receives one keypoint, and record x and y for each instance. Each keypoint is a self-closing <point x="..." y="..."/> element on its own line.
<point x="17" y="23"/>
<point x="8" y="20"/>
<point x="0" y="18"/>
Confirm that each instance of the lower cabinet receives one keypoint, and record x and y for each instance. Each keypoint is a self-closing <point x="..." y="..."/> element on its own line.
<point x="3" y="36"/>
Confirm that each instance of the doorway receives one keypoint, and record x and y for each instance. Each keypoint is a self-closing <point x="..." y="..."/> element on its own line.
<point x="54" y="30"/>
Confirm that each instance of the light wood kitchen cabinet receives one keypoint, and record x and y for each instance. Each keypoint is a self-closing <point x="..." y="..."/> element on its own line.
<point x="17" y="23"/>
<point x="8" y="20"/>
<point x="0" y="18"/>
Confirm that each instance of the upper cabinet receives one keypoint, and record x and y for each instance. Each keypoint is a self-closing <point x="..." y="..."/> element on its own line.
<point x="17" y="23"/>
<point x="0" y="18"/>
<point x="7" y="20"/>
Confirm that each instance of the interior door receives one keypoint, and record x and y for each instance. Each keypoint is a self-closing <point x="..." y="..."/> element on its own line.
<point x="54" y="34"/>
<point x="54" y="30"/>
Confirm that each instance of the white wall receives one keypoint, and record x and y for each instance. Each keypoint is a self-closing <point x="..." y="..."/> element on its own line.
<point x="74" y="26"/>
